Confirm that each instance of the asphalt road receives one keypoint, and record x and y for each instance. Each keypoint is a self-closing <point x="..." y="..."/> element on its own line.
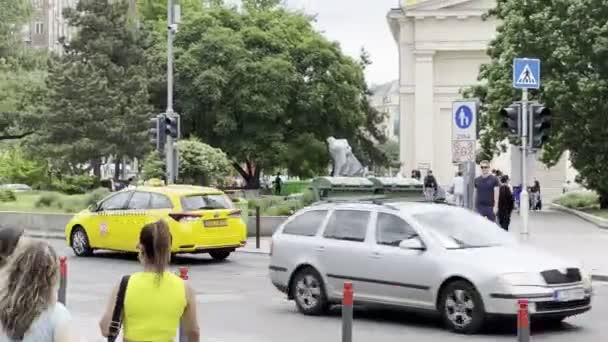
<point x="238" y="303"/>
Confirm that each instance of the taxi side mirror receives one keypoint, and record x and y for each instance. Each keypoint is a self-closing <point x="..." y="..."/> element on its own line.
<point x="93" y="207"/>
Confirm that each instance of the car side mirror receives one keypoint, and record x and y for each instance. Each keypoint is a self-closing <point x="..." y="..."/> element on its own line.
<point x="93" y="208"/>
<point x="414" y="243"/>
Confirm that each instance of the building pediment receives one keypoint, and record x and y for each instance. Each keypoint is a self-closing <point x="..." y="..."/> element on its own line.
<point x="447" y="8"/>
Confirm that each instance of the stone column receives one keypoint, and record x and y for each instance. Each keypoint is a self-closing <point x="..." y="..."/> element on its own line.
<point x="406" y="96"/>
<point x="424" y="109"/>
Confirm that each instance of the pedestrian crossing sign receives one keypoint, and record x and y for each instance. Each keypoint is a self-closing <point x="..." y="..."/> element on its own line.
<point x="526" y="73"/>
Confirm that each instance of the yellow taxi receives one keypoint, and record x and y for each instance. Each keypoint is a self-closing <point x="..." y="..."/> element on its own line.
<point x="201" y="220"/>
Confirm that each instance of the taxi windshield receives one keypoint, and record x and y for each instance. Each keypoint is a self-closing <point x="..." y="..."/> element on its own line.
<point x="457" y="228"/>
<point x="206" y="202"/>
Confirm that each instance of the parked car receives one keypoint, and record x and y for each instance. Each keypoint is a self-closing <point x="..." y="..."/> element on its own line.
<point x="201" y="220"/>
<point x="424" y="256"/>
<point x="16" y="187"/>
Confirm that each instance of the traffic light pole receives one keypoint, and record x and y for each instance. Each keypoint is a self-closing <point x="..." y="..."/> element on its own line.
<point x="169" y="145"/>
<point x="524" y="202"/>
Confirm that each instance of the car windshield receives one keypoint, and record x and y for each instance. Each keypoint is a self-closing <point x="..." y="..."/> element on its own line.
<point x="206" y="202"/>
<point x="457" y="228"/>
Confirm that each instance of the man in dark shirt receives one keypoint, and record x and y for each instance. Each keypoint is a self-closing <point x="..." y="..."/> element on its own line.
<point x="486" y="192"/>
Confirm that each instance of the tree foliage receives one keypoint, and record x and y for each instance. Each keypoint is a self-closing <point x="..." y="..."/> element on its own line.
<point x="570" y="38"/>
<point x="202" y="164"/>
<point x="13" y="15"/>
<point x="97" y="103"/>
<point x="263" y="85"/>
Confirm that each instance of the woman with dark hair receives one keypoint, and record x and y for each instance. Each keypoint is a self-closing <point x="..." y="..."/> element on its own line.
<point x="28" y="297"/>
<point x="506" y="203"/>
<point x="153" y="301"/>
<point x="9" y="239"/>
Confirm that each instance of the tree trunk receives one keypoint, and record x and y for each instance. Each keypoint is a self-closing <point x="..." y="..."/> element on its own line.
<point x="251" y="175"/>
<point x="117" y="168"/>
<point x="603" y="199"/>
<point x="96" y="164"/>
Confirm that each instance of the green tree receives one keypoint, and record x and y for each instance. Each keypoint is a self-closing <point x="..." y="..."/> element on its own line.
<point x="263" y="84"/>
<point x="12" y="17"/>
<point x="201" y="164"/>
<point x="570" y="37"/>
<point x="17" y="167"/>
<point x="153" y="166"/>
<point x="98" y="89"/>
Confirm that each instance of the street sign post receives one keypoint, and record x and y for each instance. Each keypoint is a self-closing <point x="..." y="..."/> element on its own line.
<point x="526" y="75"/>
<point x="464" y="130"/>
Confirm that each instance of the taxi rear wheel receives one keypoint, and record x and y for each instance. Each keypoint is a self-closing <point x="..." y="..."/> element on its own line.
<point x="220" y="254"/>
<point x="80" y="242"/>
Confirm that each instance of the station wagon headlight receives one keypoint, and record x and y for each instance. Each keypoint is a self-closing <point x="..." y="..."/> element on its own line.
<point x="523" y="279"/>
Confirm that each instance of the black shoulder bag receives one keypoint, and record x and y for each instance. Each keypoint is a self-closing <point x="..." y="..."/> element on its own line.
<point x="118" y="309"/>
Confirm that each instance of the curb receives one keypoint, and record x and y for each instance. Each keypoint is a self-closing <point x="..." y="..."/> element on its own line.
<point x="598" y="221"/>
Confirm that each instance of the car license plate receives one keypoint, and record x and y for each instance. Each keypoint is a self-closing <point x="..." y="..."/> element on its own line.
<point x="216" y="223"/>
<point x="569" y="295"/>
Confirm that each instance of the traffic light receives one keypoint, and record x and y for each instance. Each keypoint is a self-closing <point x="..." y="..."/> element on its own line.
<point x="172" y="124"/>
<point x="511" y="117"/>
<point x="540" y="123"/>
<point x="157" y="134"/>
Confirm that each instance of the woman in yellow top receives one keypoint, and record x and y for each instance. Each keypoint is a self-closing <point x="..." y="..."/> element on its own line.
<point x="155" y="300"/>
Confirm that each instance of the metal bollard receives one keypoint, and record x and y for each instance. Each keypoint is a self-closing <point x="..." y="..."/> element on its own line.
<point x="63" y="280"/>
<point x="523" y="321"/>
<point x="257" y="227"/>
<point x="347" y="312"/>
<point x="183" y="273"/>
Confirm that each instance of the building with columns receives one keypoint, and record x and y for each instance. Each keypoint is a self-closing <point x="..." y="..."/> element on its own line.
<point x="385" y="99"/>
<point x="442" y="44"/>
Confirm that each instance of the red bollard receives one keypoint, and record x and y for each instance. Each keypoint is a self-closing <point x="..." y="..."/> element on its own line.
<point x="63" y="280"/>
<point x="523" y="321"/>
<point x="347" y="312"/>
<point x="183" y="273"/>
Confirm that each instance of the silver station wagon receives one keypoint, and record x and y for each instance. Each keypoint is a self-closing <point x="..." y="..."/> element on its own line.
<point x="421" y="256"/>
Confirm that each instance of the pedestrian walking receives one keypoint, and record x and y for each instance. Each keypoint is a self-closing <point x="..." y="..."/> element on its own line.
<point x="486" y="192"/>
<point x="278" y="184"/>
<point x="430" y="186"/>
<point x="458" y="189"/>
<point x="151" y="304"/>
<point x="506" y="203"/>
<point x="28" y="297"/>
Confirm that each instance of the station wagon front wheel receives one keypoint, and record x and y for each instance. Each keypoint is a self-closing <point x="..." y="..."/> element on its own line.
<point x="462" y="308"/>
<point x="309" y="293"/>
<point x="80" y="242"/>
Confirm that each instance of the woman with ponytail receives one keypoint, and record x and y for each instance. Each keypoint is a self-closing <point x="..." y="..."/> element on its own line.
<point x="150" y="304"/>
<point x="29" y="311"/>
<point x="9" y="240"/>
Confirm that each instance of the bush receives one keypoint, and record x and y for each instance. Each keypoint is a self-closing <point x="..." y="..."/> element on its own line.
<point x="77" y="184"/>
<point x="95" y="196"/>
<point x="579" y="200"/>
<point x="49" y="200"/>
<point x="7" y="196"/>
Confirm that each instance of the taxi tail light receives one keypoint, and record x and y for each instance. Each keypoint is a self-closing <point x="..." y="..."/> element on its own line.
<point x="184" y="217"/>
<point x="235" y="214"/>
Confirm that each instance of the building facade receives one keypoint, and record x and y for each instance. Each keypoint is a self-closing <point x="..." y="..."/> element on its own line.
<point x="385" y="99"/>
<point x="442" y="44"/>
<point x="47" y="25"/>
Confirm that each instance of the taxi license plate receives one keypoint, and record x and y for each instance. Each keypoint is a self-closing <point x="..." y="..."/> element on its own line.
<point x="569" y="295"/>
<point x="216" y="223"/>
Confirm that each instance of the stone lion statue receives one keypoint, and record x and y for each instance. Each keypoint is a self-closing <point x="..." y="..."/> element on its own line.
<point x="344" y="161"/>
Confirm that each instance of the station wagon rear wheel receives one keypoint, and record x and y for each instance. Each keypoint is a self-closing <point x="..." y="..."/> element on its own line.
<point x="80" y="242"/>
<point x="462" y="308"/>
<point x="309" y="293"/>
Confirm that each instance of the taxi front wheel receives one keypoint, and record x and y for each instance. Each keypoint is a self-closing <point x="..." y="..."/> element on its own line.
<point x="220" y="254"/>
<point x="80" y="242"/>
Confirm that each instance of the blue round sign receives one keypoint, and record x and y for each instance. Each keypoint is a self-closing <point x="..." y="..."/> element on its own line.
<point x="463" y="117"/>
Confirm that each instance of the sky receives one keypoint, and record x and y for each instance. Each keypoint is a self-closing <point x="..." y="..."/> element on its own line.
<point x="356" y="24"/>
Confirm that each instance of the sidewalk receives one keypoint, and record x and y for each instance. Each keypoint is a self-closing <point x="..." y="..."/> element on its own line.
<point x="569" y="236"/>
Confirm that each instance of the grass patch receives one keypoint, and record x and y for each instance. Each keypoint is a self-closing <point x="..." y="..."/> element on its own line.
<point x="603" y="213"/>
<point x="580" y="200"/>
<point x="52" y="202"/>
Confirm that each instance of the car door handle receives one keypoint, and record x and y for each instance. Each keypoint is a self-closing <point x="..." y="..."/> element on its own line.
<point x="320" y="249"/>
<point x="376" y="255"/>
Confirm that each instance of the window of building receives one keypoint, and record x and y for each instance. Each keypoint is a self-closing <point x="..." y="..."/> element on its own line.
<point x="39" y="28"/>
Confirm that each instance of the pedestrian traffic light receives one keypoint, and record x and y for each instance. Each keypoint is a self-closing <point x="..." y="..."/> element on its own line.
<point x="157" y="134"/>
<point x="540" y="124"/>
<point x="172" y="124"/>
<point x="510" y="119"/>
